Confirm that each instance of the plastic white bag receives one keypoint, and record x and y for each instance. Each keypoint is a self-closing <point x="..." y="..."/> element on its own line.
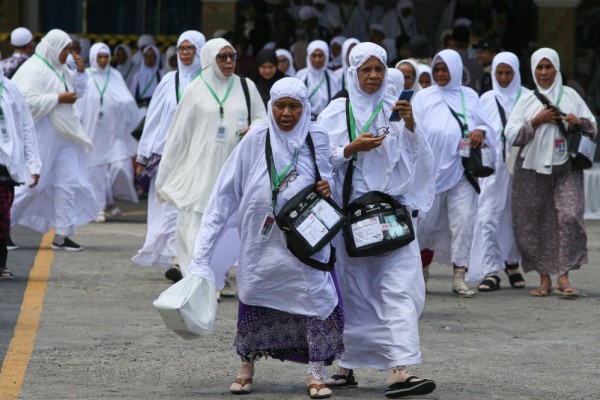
<point x="189" y="307"/>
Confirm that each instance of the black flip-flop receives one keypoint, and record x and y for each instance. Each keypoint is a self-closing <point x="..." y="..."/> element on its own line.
<point x="410" y="388"/>
<point x="348" y="381"/>
<point x="492" y="282"/>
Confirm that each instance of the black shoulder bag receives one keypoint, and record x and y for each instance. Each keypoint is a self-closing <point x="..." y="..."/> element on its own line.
<point x="376" y="223"/>
<point x="580" y="148"/>
<point x="308" y="220"/>
<point x="502" y="135"/>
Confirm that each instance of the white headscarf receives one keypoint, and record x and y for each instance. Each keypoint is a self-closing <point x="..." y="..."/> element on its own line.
<point x="210" y="70"/>
<point x="291" y="70"/>
<point x="40" y="87"/>
<point x="187" y="73"/>
<point x="312" y="77"/>
<point x="313" y="73"/>
<point x="551" y="93"/>
<point x="146" y="75"/>
<point x="451" y="92"/>
<point x="143" y="41"/>
<point x="415" y="86"/>
<point x="286" y="144"/>
<point x="170" y="53"/>
<point x="345" y="49"/>
<point x="336" y="61"/>
<point x="126" y="69"/>
<point x="98" y="48"/>
<point x="425" y="69"/>
<point x="507" y="96"/>
<point x="395" y="82"/>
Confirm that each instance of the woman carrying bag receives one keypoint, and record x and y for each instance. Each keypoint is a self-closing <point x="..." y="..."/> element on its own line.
<point x="390" y="161"/>
<point x="288" y="310"/>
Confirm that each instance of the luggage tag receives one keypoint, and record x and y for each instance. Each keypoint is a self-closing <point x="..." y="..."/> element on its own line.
<point x="267" y="226"/>
<point x="464" y="149"/>
<point x="221" y="130"/>
<point x="3" y="129"/>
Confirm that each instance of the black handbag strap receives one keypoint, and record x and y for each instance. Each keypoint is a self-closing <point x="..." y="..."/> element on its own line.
<point x="546" y="102"/>
<point x="347" y="190"/>
<point x="247" y="97"/>
<point x="269" y="157"/>
<point x="502" y="135"/>
<point x="177" y="86"/>
<point x="470" y="178"/>
<point x="328" y="86"/>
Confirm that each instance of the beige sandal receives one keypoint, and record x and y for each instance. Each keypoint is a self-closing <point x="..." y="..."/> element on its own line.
<point x="241" y="386"/>
<point x="318" y="391"/>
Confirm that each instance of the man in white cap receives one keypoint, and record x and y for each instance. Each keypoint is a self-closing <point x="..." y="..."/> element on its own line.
<point x="21" y="40"/>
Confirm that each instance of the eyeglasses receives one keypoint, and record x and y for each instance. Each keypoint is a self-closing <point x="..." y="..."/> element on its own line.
<point x="291" y="177"/>
<point x="183" y="49"/>
<point x="224" y="57"/>
<point x="384" y="130"/>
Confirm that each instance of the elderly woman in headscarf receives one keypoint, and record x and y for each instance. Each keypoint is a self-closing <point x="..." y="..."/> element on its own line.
<point x="124" y="63"/>
<point x="285" y="62"/>
<point x="19" y="158"/>
<point x="409" y="69"/>
<point x="109" y="114"/>
<point x="65" y="197"/>
<point x="266" y="73"/>
<point x="547" y="193"/>
<point x="287" y="310"/>
<point x="159" y="247"/>
<point x="454" y="121"/>
<point x="321" y="82"/>
<point x="494" y="248"/>
<point x="143" y="41"/>
<point x="340" y="74"/>
<point x="146" y="80"/>
<point x="383" y="294"/>
<point x="201" y="137"/>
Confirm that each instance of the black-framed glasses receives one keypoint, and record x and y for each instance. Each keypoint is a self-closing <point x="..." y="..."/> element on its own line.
<point x="384" y="130"/>
<point x="184" y="49"/>
<point x="224" y="57"/>
<point x="290" y="177"/>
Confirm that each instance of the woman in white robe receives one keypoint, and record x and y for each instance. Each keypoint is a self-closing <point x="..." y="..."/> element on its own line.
<point x="447" y="229"/>
<point x="340" y="74"/>
<point x="494" y="248"/>
<point x="159" y="246"/>
<point x="547" y="193"/>
<point x="145" y="81"/>
<point x="410" y="70"/>
<point x="288" y="310"/>
<point x="125" y="64"/>
<point x="109" y="114"/>
<point x="320" y="81"/>
<point x="201" y="137"/>
<point x="285" y="62"/>
<point x="383" y="295"/>
<point x="64" y="198"/>
<point x="424" y="75"/>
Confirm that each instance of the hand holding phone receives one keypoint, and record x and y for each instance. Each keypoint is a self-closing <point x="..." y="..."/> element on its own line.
<point x="405" y="95"/>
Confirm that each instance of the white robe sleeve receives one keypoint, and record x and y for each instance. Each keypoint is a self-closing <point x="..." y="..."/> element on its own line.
<point x="27" y="128"/>
<point x="80" y="82"/>
<point x="330" y="118"/>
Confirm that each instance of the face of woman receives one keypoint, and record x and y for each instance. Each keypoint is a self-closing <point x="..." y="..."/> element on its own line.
<point x="317" y="59"/>
<point x="370" y="75"/>
<point x="226" y="61"/>
<point x="267" y="70"/>
<point x="336" y="49"/>
<point x="283" y="64"/>
<point x="62" y="57"/>
<point x="187" y="52"/>
<point x="504" y="75"/>
<point x="409" y="75"/>
<point x="441" y="75"/>
<point x="102" y="60"/>
<point x="150" y="58"/>
<point x="287" y="112"/>
<point x="545" y="73"/>
<point x="424" y="80"/>
<point x="121" y="56"/>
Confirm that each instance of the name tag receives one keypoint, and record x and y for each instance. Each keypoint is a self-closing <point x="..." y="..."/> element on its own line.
<point x="100" y="115"/>
<point x="464" y="149"/>
<point x="221" y="131"/>
<point x="267" y="226"/>
<point x="3" y="129"/>
<point x="560" y="146"/>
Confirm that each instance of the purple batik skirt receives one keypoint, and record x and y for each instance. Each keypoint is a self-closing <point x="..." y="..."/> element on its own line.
<point x="266" y="332"/>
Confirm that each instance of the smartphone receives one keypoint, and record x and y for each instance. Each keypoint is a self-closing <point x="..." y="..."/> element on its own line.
<point x="405" y="95"/>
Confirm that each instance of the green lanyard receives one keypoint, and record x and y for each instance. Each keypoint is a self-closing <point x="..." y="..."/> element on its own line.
<point x="221" y="102"/>
<point x="147" y="86"/>
<point x="128" y="71"/>
<point x="367" y="124"/>
<point x="62" y="79"/>
<point x="179" y="87"/>
<point x="560" y="95"/>
<point x="464" y="114"/>
<point x="317" y="88"/>
<point x="278" y="179"/>
<point x="98" y="86"/>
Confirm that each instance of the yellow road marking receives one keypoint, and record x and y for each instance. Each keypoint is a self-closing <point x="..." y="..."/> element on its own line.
<point x="21" y="346"/>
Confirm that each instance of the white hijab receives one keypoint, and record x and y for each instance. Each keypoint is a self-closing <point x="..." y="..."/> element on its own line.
<point x="312" y="77"/>
<point x="507" y="96"/>
<point x="126" y="69"/>
<point x="314" y="74"/>
<point x="187" y="73"/>
<point x="415" y="86"/>
<point x="210" y="70"/>
<point x="336" y="61"/>
<point x="166" y="65"/>
<point x="425" y="69"/>
<point x="291" y="70"/>
<point x="286" y="144"/>
<point x="147" y="75"/>
<point x="395" y="82"/>
<point x="452" y="91"/>
<point x="40" y="87"/>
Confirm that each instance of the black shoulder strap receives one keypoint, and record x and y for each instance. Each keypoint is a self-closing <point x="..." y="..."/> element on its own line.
<point x="546" y="102"/>
<point x="347" y="190"/>
<point x="247" y="96"/>
<point x="470" y="178"/>
<point x="177" y="86"/>
<point x="328" y="86"/>
<point x="158" y="77"/>
<point x="462" y="126"/>
<point x="502" y="136"/>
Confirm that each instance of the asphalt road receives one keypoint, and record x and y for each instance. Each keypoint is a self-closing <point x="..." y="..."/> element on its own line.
<point x="100" y="338"/>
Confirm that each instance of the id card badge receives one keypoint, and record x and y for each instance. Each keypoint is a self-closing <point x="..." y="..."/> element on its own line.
<point x="100" y="115"/>
<point x="464" y="149"/>
<point x="560" y="146"/>
<point x="3" y="129"/>
<point x="267" y="226"/>
<point x="221" y="130"/>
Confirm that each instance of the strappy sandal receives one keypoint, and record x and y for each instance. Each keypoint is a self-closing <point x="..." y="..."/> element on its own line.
<point x="516" y="280"/>
<point x="410" y="388"/>
<point x="241" y="386"/>
<point x="489" y="284"/>
<point x="540" y="292"/>
<point x="318" y="391"/>
<point x="339" y="381"/>
<point x="567" y="292"/>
